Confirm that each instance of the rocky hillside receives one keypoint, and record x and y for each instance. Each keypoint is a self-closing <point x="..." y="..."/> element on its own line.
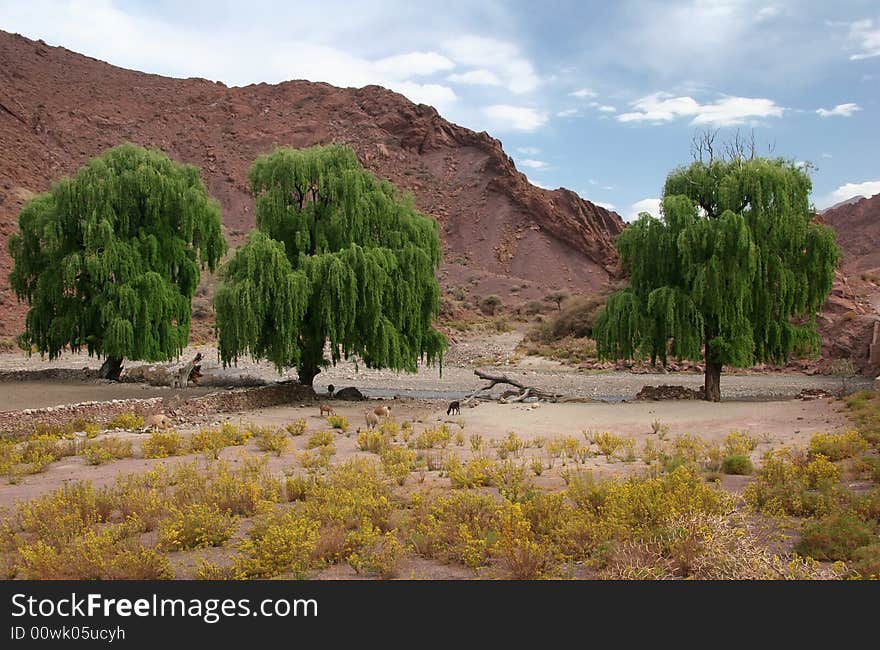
<point x="59" y="108"/>
<point x="857" y="223"/>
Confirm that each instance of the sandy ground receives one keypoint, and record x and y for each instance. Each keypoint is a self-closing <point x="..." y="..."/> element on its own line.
<point x="776" y="423"/>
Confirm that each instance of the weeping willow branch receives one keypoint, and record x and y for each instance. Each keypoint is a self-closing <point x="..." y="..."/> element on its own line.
<point x="740" y="281"/>
<point x="338" y="256"/>
<point x="109" y="260"/>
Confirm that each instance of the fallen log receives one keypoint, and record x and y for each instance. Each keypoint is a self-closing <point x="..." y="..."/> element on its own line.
<point x="183" y="375"/>
<point x="525" y="391"/>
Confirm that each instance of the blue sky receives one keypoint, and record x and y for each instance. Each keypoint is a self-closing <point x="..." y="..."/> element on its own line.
<point x="599" y="97"/>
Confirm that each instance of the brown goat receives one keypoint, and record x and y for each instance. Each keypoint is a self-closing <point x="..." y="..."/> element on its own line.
<point x="327" y="409"/>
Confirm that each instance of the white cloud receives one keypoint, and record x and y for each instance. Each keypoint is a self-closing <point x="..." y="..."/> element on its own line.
<point x="479" y="77"/>
<point x="766" y="13"/>
<point x="531" y="163"/>
<point x="728" y="111"/>
<point x="501" y="58"/>
<point x="605" y="108"/>
<point x="583" y="93"/>
<point x="433" y="94"/>
<point x="827" y="155"/>
<point x="651" y="206"/>
<point x="568" y="112"/>
<point x="413" y="64"/>
<point x="867" y="38"/>
<point x="607" y="206"/>
<point x="609" y="188"/>
<point x="841" y="110"/>
<point x="529" y="151"/>
<point x="537" y="184"/>
<point x="515" y="118"/>
<point x="848" y="191"/>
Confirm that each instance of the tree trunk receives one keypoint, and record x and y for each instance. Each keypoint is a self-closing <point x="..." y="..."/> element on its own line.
<point x="712" y="387"/>
<point x="307" y="374"/>
<point x="111" y="368"/>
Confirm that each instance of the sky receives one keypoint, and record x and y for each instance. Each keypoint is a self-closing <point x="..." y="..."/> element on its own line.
<point x="602" y="98"/>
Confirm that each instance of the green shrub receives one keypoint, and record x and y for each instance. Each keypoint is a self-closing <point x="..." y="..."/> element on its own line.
<point x="834" y="537"/>
<point x="490" y="304"/>
<point x="866" y="561"/>
<point x="737" y="464"/>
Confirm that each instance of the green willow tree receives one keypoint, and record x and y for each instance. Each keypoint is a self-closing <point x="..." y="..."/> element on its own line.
<point x="109" y="260"/>
<point x="337" y="256"/>
<point x="733" y="273"/>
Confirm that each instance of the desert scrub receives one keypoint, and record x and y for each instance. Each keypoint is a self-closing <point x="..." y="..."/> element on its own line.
<point x="351" y="492"/>
<point x="475" y="472"/>
<point x="271" y="440"/>
<point x="865" y="561"/>
<point x="703" y="546"/>
<point x="509" y="477"/>
<point x="60" y="516"/>
<point x="835" y="537"/>
<point x="297" y="427"/>
<point x="477" y="443"/>
<point x="837" y="446"/>
<point x="430" y="438"/>
<point x="520" y="553"/>
<point x="163" y="444"/>
<point x="320" y="439"/>
<point x="207" y="570"/>
<point x="212" y="440"/>
<point x="689" y="447"/>
<point x="373" y="552"/>
<point x="372" y="440"/>
<point x="195" y="526"/>
<point x="512" y="444"/>
<point x="398" y="462"/>
<point x="461" y="527"/>
<point x="638" y="506"/>
<point x="784" y="485"/>
<point x="737" y="464"/>
<point x="738" y="443"/>
<point x="607" y="442"/>
<point x="316" y="460"/>
<point x="537" y="466"/>
<point x="126" y="421"/>
<point x="95" y="555"/>
<point x="338" y="422"/>
<point x="98" y="452"/>
<point x="279" y="543"/>
<point x="865" y="411"/>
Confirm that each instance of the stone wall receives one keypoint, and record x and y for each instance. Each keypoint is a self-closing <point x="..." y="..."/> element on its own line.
<point x="21" y="423"/>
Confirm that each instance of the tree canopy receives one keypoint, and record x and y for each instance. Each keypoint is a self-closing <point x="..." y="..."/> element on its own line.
<point x="733" y="272"/>
<point x="109" y="259"/>
<point x="338" y="255"/>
